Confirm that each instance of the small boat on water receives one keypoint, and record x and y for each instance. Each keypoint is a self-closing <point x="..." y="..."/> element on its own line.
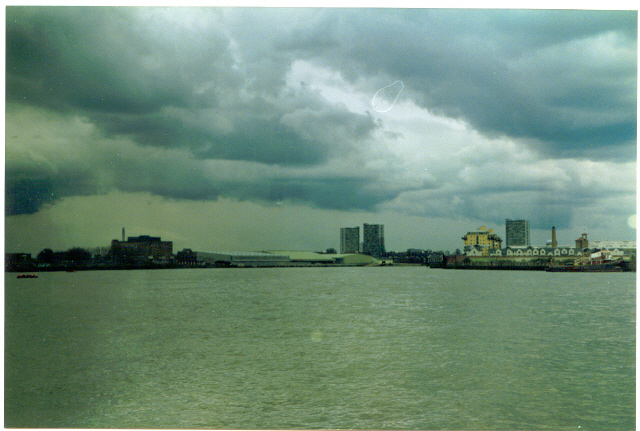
<point x="28" y="276"/>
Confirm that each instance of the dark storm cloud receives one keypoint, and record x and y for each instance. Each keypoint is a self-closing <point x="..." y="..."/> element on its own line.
<point x="177" y="179"/>
<point x="134" y="79"/>
<point x="171" y="177"/>
<point x="27" y="196"/>
<point x="543" y="75"/>
<point x="28" y="191"/>
<point x="90" y="59"/>
<point x="565" y="80"/>
<point x="331" y="193"/>
<point x="211" y="84"/>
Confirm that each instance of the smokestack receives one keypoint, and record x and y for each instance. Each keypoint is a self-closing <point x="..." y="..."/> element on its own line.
<point x="122" y="234"/>
<point x="554" y="242"/>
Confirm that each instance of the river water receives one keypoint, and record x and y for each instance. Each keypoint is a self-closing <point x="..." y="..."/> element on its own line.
<point x="366" y="348"/>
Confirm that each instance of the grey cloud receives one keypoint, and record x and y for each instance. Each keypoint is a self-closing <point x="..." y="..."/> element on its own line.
<point x="264" y="141"/>
<point x="27" y="196"/>
<point x="179" y="175"/>
<point x="472" y="64"/>
<point x="549" y="192"/>
<point x="545" y="208"/>
<point x="333" y="127"/>
<point x="341" y="193"/>
<point x="134" y="79"/>
<point x="183" y="182"/>
<point x="166" y="176"/>
<point x="85" y="58"/>
<point x="548" y="27"/>
<point x="475" y="65"/>
<point x="28" y="191"/>
<point x="31" y="186"/>
<point x="209" y="82"/>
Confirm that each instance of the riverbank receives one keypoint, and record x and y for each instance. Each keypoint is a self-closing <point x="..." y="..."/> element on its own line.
<point x="562" y="266"/>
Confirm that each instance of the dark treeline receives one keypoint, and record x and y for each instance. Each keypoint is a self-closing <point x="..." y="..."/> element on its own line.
<point x="77" y="258"/>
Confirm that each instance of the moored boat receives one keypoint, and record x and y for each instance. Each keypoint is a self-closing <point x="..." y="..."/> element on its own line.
<point x="599" y="264"/>
<point x="28" y="276"/>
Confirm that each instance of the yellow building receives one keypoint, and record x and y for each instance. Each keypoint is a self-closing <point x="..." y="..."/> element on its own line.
<point x="483" y="240"/>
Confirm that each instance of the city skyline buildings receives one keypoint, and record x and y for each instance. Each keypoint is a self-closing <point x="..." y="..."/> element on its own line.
<point x="544" y="242"/>
<point x="349" y="239"/>
<point x="373" y="239"/>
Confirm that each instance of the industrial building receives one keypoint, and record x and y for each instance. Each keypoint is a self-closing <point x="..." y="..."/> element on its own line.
<point x="517" y="233"/>
<point x="141" y="250"/>
<point x="304" y="258"/>
<point x="242" y="259"/>
<point x="273" y="258"/>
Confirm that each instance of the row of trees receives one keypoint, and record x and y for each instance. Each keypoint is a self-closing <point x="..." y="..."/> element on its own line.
<point x="75" y="257"/>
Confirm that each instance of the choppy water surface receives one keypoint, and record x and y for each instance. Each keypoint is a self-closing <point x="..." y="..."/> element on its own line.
<point x="394" y="347"/>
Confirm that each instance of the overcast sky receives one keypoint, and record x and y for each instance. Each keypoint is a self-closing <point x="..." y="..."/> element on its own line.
<point x="251" y="129"/>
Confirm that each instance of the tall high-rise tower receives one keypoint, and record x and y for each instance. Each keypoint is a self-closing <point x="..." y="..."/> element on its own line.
<point x="517" y="233"/>
<point x="554" y="241"/>
<point x="349" y="239"/>
<point x="373" y="240"/>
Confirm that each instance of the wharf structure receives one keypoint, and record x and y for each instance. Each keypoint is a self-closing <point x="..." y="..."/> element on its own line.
<point x="482" y="249"/>
<point x="284" y="258"/>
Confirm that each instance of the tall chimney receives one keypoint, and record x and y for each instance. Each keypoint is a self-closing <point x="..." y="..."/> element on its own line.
<point x="122" y="234"/>
<point x="554" y="242"/>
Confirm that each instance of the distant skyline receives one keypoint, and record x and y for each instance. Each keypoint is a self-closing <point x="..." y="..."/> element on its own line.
<point x="244" y="129"/>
